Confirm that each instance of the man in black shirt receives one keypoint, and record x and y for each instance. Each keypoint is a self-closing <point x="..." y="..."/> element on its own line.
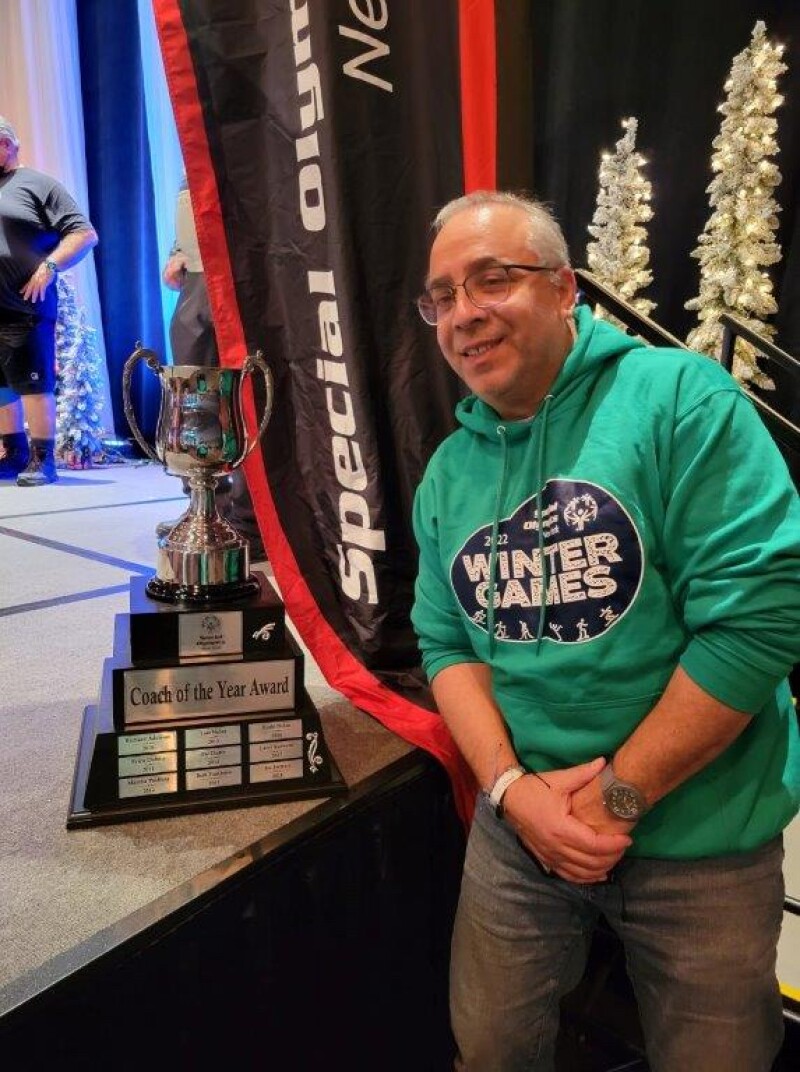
<point x="42" y="232"/>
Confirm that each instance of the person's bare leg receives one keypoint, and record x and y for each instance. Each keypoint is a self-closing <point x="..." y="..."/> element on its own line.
<point x="11" y="419"/>
<point x="15" y="453"/>
<point x="40" y="414"/>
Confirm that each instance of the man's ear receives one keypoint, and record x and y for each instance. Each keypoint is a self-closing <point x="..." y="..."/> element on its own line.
<point x="564" y="279"/>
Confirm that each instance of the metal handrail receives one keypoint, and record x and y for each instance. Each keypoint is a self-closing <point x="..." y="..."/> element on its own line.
<point x="648" y="329"/>
<point x="654" y="334"/>
<point x="733" y="327"/>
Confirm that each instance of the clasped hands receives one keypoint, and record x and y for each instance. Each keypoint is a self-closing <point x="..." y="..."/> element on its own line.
<point x="565" y="823"/>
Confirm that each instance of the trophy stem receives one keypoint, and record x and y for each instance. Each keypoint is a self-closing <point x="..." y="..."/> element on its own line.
<point x="202" y="500"/>
<point x="203" y="560"/>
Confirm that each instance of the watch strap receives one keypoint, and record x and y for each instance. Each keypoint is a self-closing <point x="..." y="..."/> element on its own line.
<point x="501" y="786"/>
<point x="607" y="777"/>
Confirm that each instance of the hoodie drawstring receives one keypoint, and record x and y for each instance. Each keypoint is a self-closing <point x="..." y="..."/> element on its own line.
<point x="540" y="520"/>
<point x="498" y="506"/>
<point x="544" y="410"/>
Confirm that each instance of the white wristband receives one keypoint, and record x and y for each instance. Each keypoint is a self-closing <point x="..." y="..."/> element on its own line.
<point x="501" y="785"/>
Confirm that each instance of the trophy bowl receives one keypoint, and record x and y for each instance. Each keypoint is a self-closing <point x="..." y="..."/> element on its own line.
<point x="200" y="436"/>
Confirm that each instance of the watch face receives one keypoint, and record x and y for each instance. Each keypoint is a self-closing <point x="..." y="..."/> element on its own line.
<point x="624" y="802"/>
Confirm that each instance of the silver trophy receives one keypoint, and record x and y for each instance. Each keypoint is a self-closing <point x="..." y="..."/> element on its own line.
<point x="200" y="436"/>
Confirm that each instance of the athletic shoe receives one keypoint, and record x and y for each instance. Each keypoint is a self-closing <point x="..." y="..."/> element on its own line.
<point x="12" y="465"/>
<point x="41" y="469"/>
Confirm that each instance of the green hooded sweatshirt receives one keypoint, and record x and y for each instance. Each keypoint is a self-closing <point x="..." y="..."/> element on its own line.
<point x="641" y="520"/>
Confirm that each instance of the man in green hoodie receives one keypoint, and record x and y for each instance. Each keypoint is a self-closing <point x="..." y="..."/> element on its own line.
<point x="607" y="606"/>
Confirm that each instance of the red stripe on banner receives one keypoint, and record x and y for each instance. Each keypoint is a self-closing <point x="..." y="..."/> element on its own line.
<point x="202" y="180"/>
<point x="340" y="668"/>
<point x="477" y="47"/>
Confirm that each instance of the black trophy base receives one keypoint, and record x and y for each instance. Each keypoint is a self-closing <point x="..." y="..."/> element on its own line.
<point x="202" y="595"/>
<point x="259" y="759"/>
<point x="166" y="633"/>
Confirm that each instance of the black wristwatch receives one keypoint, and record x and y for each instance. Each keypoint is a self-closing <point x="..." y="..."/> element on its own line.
<point x="623" y="800"/>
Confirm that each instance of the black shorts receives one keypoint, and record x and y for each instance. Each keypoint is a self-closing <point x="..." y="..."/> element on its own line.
<point x="27" y="355"/>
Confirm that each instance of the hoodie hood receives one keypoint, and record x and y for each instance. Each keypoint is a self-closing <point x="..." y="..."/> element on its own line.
<point x="597" y="343"/>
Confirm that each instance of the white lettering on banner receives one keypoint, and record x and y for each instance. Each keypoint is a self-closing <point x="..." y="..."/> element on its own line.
<point x="356" y="569"/>
<point x="309" y="91"/>
<point x="359" y="539"/>
<point x="374" y="14"/>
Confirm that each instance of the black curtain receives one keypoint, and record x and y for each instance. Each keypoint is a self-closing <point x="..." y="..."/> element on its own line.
<point x="664" y="62"/>
<point x="121" y="197"/>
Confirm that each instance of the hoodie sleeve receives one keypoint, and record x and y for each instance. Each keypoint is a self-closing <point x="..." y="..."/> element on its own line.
<point x="732" y="538"/>
<point x="443" y="640"/>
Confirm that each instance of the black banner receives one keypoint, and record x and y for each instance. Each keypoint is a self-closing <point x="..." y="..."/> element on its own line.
<point x="335" y="135"/>
<point x="320" y="137"/>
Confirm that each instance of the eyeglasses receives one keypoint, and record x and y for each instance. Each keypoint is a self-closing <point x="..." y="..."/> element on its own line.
<point x="485" y="287"/>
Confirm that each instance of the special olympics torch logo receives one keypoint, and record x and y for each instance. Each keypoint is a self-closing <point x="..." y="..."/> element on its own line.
<point x="580" y="512"/>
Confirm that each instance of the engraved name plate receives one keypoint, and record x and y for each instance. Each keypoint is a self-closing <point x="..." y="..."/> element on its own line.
<point x="197" y="689"/>
<point x="276" y="772"/>
<point x="211" y="633"/>
<point x="213" y="736"/>
<point x="160" y="763"/>
<point x="133" y="744"/>
<point x="266" y="751"/>
<point x="214" y="778"/>
<point x="213" y="757"/>
<point x="278" y="730"/>
<point x="148" y="785"/>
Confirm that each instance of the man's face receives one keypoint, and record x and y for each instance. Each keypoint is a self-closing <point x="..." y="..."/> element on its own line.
<point x="7" y="152"/>
<point x="510" y="354"/>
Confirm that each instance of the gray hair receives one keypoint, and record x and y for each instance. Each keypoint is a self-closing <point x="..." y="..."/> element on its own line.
<point x="8" y="132"/>
<point x="545" y="237"/>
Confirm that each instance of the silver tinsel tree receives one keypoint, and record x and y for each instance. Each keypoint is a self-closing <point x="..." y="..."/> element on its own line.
<point x="619" y="256"/>
<point x="738" y="240"/>
<point x="79" y="387"/>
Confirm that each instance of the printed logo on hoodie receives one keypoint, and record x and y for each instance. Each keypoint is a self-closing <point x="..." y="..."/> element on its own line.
<point x="593" y="564"/>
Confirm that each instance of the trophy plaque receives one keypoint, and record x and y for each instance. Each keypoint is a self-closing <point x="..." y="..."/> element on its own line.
<point x="202" y="703"/>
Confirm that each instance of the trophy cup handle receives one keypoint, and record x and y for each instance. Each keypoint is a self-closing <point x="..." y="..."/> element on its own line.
<point x="153" y="364"/>
<point x="251" y="362"/>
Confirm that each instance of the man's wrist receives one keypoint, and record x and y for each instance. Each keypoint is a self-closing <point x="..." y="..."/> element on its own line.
<point x="497" y="791"/>
<point x="51" y="266"/>
<point x="622" y="798"/>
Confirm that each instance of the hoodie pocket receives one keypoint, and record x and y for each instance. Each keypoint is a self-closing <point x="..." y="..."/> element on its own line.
<point x="563" y="734"/>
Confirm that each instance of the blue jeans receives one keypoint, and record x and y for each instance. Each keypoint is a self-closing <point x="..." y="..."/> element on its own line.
<point x="699" y="937"/>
